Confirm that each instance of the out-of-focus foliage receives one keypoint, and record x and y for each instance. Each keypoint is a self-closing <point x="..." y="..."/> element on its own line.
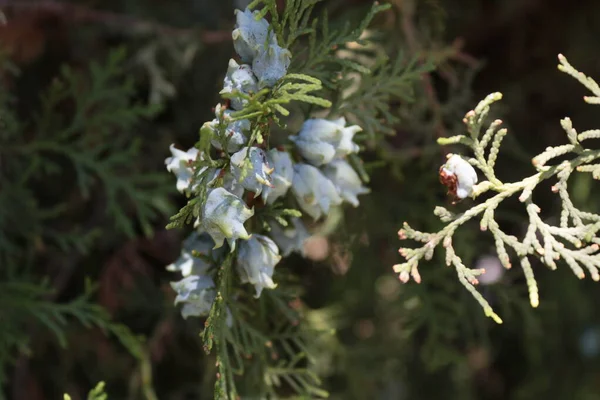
<point x="96" y="393"/>
<point x="389" y="341"/>
<point x="70" y="175"/>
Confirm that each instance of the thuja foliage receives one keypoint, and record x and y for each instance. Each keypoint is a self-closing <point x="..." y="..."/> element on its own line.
<point x="258" y="186"/>
<point x="70" y="181"/>
<point x="573" y="241"/>
<point x="96" y="393"/>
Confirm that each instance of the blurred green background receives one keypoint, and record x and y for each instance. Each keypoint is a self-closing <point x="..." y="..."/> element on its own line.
<point x="427" y="341"/>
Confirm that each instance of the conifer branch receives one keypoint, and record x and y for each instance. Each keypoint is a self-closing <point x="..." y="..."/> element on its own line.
<point x="574" y="241"/>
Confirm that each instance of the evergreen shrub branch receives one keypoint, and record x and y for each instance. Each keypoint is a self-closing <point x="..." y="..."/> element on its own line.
<point x="574" y="241"/>
<point x="253" y="202"/>
<point x="387" y="82"/>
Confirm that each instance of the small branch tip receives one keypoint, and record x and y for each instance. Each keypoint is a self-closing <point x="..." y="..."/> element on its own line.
<point x="404" y="276"/>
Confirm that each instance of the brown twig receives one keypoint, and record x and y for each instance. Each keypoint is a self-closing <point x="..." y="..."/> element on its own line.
<point x="459" y="55"/>
<point x="78" y="13"/>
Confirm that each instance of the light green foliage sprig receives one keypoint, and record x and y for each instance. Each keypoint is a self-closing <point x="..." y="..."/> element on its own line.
<point x="268" y="103"/>
<point x="96" y="393"/>
<point x="574" y="240"/>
